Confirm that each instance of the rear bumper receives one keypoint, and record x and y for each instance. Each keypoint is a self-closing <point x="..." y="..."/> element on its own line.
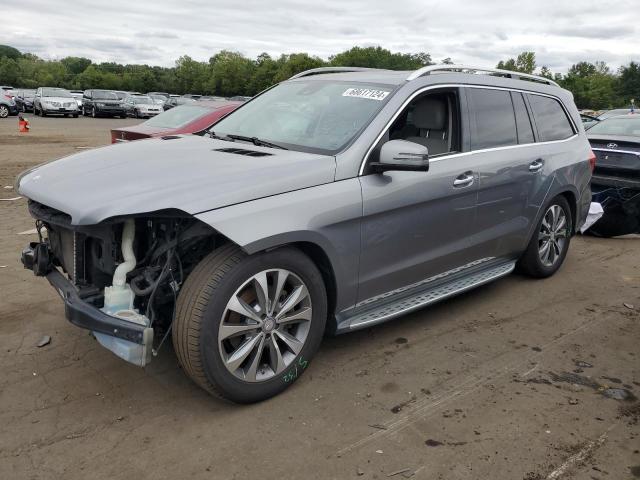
<point x="82" y="314"/>
<point x="615" y="181"/>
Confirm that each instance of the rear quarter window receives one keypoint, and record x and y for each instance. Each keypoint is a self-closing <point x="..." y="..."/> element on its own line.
<point x="551" y="120"/>
<point x="493" y="122"/>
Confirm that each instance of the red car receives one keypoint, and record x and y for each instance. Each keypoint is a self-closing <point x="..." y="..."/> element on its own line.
<point x="189" y="118"/>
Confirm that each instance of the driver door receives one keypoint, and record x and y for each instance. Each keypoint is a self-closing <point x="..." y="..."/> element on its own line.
<point x="418" y="224"/>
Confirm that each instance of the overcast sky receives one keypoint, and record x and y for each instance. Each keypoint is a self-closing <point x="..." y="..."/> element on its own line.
<point x="480" y="33"/>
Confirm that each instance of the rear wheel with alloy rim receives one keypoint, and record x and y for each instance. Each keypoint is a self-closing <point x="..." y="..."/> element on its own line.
<point x="4" y="111"/>
<point x="247" y="326"/>
<point x="550" y="242"/>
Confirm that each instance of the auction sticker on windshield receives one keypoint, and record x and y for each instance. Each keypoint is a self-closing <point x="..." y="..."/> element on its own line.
<point x="365" y="93"/>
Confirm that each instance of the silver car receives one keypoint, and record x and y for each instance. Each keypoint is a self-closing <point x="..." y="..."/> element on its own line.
<point x="141" y="106"/>
<point x="331" y="202"/>
<point x="54" y="101"/>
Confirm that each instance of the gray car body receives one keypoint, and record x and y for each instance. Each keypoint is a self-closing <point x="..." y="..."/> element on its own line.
<point x="380" y="233"/>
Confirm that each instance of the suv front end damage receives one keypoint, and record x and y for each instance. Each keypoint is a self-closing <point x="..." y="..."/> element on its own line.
<point x="120" y="278"/>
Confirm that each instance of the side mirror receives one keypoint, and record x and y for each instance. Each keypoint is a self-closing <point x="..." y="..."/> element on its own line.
<point x="402" y="155"/>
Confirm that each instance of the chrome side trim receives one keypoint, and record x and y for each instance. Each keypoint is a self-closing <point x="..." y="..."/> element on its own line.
<point x="406" y="305"/>
<point x="478" y="70"/>
<point x="616" y="151"/>
<point x="460" y="85"/>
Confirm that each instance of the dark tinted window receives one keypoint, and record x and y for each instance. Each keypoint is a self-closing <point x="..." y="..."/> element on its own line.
<point x="493" y="123"/>
<point x="523" y="122"/>
<point x="551" y="121"/>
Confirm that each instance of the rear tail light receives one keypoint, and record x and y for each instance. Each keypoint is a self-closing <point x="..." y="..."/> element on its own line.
<point x="592" y="161"/>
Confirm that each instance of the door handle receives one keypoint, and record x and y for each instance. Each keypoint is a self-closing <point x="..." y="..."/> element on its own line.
<point x="464" y="180"/>
<point x="536" y="165"/>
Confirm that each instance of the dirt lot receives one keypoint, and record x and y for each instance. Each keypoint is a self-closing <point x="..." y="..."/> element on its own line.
<point x="507" y="382"/>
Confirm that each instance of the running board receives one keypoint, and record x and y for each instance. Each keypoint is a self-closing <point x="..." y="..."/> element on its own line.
<point x="426" y="297"/>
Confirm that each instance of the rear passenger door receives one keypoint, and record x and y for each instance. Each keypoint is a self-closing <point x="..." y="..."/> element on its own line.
<point x="511" y="185"/>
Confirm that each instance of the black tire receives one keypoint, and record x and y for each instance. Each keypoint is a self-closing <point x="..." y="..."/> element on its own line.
<point x="4" y="111"/>
<point x="84" y="112"/>
<point x="615" y="222"/>
<point x="24" y="108"/>
<point x="42" y="112"/>
<point x="93" y="112"/>
<point x="530" y="263"/>
<point x="136" y="113"/>
<point x="201" y="305"/>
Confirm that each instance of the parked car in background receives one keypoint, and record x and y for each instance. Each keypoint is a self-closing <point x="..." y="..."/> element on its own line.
<point x="616" y="112"/>
<point x="189" y="118"/>
<point x="6" y="88"/>
<point x="215" y="98"/>
<point x="141" y="106"/>
<point x="588" y="121"/>
<point x="77" y="94"/>
<point x="164" y="94"/>
<point x="102" y="103"/>
<point x="334" y="201"/>
<point x="158" y="99"/>
<point x="24" y="99"/>
<point x="7" y="104"/>
<point x="175" y="101"/>
<point x="120" y="94"/>
<point x="54" y="101"/>
<point x="616" y="179"/>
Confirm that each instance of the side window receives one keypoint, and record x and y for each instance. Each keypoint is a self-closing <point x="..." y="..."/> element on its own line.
<point x="523" y="122"/>
<point x="493" y="122"/>
<point x="430" y="120"/>
<point x="551" y="120"/>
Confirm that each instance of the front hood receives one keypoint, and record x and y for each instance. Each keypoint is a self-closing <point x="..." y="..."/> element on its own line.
<point x="58" y="99"/>
<point x="185" y="173"/>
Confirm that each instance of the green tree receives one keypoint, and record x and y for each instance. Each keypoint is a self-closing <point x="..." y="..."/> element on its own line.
<point x="378" y="57"/>
<point x="289" y="65"/>
<point x="231" y="73"/>
<point x="525" y="63"/>
<point x="10" y="52"/>
<point x="629" y="83"/>
<point x="76" y="65"/>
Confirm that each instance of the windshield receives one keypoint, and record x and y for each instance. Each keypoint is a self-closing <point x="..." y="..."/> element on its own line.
<point x="316" y="116"/>
<point x="142" y="100"/>
<point x="613" y="113"/>
<point x="104" y="95"/>
<point x="177" y="117"/>
<point x="618" y="126"/>
<point x="56" y="92"/>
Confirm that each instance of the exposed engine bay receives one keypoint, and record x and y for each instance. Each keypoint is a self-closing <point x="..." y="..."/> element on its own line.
<point x="129" y="268"/>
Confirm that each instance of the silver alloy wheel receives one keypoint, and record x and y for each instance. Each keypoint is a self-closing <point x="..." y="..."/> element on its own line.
<point x="553" y="235"/>
<point x="4" y="111"/>
<point x="265" y="325"/>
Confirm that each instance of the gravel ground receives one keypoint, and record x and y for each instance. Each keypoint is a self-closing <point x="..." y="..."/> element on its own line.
<point x="511" y="381"/>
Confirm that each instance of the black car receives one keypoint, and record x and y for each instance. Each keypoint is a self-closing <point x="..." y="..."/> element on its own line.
<point x="7" y="105"/>
<point x="616" y="179"/>
<point x="24" y="100"/>
<point x="102" y="103"/>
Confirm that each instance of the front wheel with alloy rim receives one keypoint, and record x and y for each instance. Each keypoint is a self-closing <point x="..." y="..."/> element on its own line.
<point x="4" y="111"/>
<point x="550" y="241"/>
<point x="247" y="326"/>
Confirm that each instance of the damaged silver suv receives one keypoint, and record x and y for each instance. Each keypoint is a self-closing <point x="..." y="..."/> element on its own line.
<point x="331" y="202"/>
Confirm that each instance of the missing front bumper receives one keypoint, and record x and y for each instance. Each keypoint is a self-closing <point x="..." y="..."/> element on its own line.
<point x="130" y="341"/>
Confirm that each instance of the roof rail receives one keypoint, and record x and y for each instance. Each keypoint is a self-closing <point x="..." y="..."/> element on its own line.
<point x="320" y="70"/>
<point x="478" y="70"/>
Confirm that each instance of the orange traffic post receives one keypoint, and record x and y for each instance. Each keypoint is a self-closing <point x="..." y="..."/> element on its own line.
<point x="23" y="125"/>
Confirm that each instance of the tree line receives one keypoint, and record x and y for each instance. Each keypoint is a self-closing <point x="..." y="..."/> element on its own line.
<point x="228" y="73"/>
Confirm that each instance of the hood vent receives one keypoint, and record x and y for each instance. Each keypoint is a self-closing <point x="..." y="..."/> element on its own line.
<point x="242" y="151"/>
